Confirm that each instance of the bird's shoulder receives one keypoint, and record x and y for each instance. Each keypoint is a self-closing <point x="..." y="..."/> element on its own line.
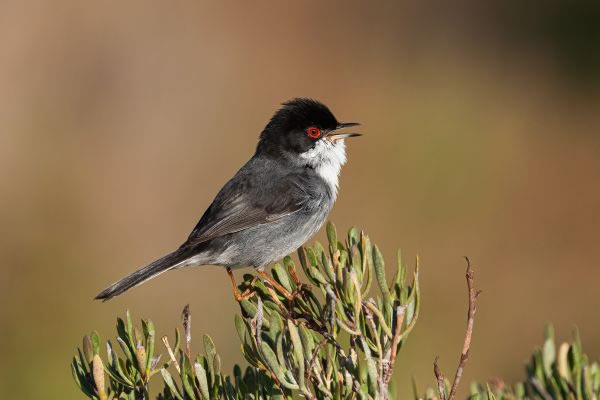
<point x="262" y="178"/>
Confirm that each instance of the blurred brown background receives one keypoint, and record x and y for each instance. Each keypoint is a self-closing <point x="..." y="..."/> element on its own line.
<point x="119" y="121"/>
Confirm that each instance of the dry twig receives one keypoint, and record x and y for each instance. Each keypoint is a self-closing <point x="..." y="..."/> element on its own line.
<point x="395" y="342"/>
<point x="440" y="379"/>
<point x="313" y="359"/>
<point x="186" y="317"/>
<point x="165" y="340"/>
<point x="464" y="356"/>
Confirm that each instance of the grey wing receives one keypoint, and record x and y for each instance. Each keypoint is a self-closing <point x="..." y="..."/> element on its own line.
<point x="242" y="204"/>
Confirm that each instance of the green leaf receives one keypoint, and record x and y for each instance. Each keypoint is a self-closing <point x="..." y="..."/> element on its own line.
<point x="549" y="351"/>
<point x="281" y="276"/>
<point x="318" y="277"/>
<point x="209" y="348"/>
<point x="217" y="364"/>
<point x="249" y="308"/>
<point x="124" y="336"/>
<point x="319" y="251"/>
<point x="490" y="394"/>
<point x="327" y="268"/>
<point x="356" y="262"/>
<point x="367" y="261"/>
<point x="151" y="333"/>
<point x="129" y="326"/>
<point x="240" y="327"/>
<point x="380" y="275"/>
<point x="87" y="349"/>
<point x="298" y="353"/>
<point x="125" y="349"/>
<point x="332" y="237"/>
<point x="308" y="344"/>
<point x="353" y="236"/>
<point x="95" y="341"/>
<point x="177" y="341"/>
<point x="168" y="379"/>
<point x="270" y="359"/>
<point x="203" y="382"/>
<point x="312" y="258"/>
<point x="115" y="366"/>
<point x="187" y="376"/>
<point x="399" y="278"/>
<point x="371" y="368"/>
<point x="302" y="256"/>
<point x="290" y="267"/>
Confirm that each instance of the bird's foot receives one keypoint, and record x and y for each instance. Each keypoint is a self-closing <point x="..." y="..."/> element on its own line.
<point x="286" y="293"/>
<point x="237" y="295"/>
<point x="245" y="295"/>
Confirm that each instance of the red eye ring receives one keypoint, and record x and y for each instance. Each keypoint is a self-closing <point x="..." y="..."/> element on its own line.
<point x="313" y="132"/>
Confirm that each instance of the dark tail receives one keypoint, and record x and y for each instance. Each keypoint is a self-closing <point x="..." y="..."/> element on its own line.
<point x="142" y="275"/>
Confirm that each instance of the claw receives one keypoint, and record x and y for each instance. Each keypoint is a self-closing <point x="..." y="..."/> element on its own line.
<point x="237" y="295"/>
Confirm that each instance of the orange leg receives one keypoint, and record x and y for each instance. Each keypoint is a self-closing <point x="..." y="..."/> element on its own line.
<point x="237" y="295"/>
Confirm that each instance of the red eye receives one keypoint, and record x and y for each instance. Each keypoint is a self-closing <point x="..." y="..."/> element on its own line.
<point x="313" y="132"/>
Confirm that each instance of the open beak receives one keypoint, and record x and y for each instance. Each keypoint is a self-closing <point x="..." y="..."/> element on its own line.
<point x="335" y="135"/>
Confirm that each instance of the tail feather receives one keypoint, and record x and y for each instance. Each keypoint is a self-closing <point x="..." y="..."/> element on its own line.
<point x="142" y="275"/>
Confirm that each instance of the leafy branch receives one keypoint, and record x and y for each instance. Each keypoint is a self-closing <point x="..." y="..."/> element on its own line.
<point x="294" y="344"/>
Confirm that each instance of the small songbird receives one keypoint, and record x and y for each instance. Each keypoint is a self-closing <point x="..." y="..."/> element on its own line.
<point x="272" y="205"/>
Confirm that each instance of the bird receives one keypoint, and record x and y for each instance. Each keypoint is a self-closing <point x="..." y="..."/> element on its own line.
<point x="276" y="202"/>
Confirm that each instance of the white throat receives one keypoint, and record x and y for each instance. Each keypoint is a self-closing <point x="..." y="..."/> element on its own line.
<point x="327" y="159"/>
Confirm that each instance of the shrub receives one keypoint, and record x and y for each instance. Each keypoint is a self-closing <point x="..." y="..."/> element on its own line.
<point x="550" y="374"/>
<point x="331" y="340"/>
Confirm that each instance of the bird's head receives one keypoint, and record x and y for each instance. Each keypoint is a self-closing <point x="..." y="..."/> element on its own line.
<point x="306" y="132"/>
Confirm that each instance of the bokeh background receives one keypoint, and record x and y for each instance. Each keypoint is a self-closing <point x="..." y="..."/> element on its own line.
<point x="119" y="122"/>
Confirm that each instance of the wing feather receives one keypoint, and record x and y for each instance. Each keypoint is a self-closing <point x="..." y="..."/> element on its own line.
<point x="242" y="204"/>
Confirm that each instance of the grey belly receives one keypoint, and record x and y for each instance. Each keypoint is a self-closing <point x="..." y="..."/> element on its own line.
<point x="264" y="244"/>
